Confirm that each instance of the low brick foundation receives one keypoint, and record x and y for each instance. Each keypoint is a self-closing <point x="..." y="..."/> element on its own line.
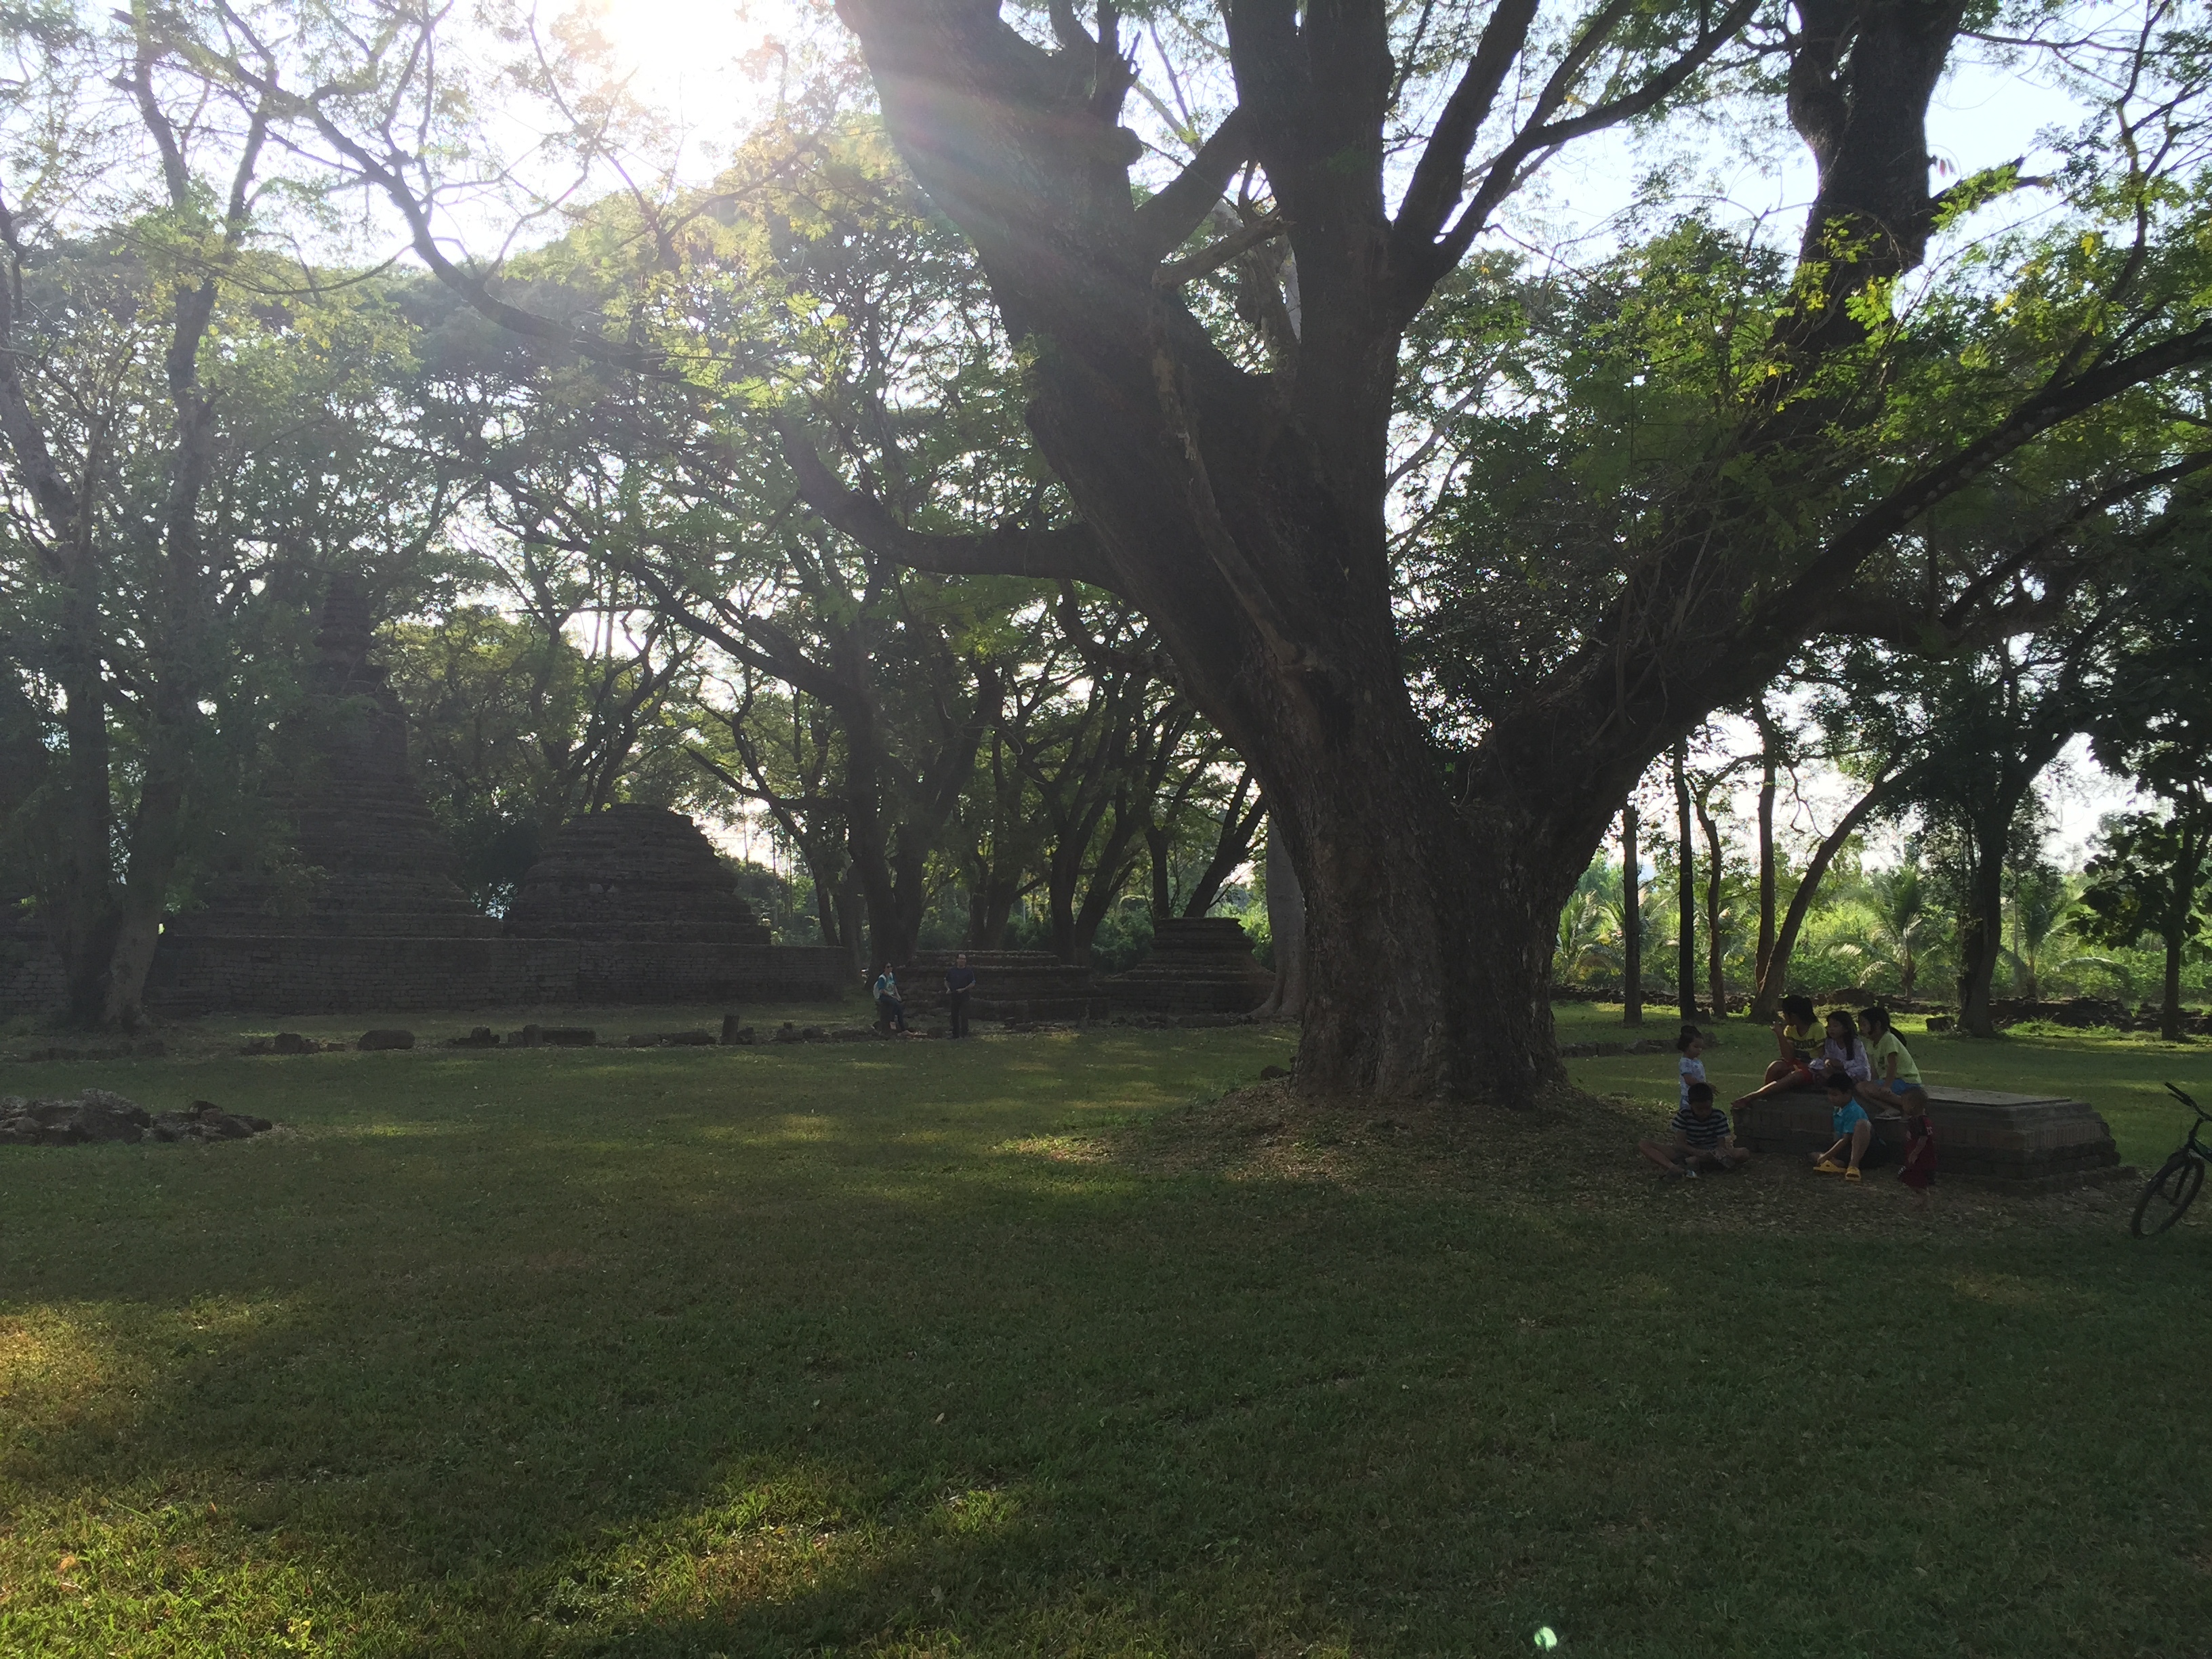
<point x="277" y="974"/>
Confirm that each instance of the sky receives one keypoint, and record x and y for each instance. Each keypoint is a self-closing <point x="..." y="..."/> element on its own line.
<point x="685" y="56"/>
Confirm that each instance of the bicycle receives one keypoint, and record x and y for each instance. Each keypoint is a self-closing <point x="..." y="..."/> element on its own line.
<point x="2170" y="1193"/>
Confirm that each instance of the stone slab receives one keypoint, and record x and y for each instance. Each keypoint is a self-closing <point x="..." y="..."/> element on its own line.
<point x="2020" y="1142"/>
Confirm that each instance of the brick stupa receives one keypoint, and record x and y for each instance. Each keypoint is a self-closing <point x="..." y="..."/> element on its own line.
<point x="373" y="859"/>
<point x="1197" y="965"/>
<point x="633" y="873"/>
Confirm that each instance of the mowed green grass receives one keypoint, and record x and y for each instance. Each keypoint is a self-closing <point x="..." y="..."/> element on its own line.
<point x="992" y="1349"/>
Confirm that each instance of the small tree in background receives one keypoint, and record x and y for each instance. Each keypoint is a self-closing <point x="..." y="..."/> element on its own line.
<point x="2156" y="727"/>
<point x="2035" y="895"/>
<point x="2149" y="877"/>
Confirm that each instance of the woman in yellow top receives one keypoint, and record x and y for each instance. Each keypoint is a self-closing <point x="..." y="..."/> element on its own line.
<point x="1798" y="1045"/>
<point x="1893" y="1064"/>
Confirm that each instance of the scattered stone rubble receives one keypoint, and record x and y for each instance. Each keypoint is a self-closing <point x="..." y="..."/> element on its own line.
<point x="99" y="1115"/>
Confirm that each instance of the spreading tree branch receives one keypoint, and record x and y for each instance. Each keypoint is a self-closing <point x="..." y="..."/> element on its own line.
<point x="1069" y="552"/>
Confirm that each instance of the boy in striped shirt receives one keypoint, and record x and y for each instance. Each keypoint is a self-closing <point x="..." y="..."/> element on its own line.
<point x="1702" y="1137"/>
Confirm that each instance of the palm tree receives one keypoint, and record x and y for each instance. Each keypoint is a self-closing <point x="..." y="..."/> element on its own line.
<point x="2039" y="901"/>
<point x="1589" y="933"/>
<point x="1897" y="901"/>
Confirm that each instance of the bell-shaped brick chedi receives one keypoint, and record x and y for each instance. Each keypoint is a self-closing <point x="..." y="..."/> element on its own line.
<point x="633" y="873"/>
<point x="373" y="859"/>
<point x="1197" y="965"/>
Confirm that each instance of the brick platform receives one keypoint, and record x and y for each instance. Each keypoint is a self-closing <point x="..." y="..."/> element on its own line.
<point x="1009" y="985"/>
<point x="1197" y="965"/>
<point x="633" y="873"/>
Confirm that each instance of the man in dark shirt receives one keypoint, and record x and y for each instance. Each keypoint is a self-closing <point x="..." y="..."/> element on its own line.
<point x="959" y="980"/>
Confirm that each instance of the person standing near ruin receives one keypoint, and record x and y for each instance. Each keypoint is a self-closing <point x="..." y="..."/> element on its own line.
<point x="891" y="1012"/>
<point x="959" y="983"/>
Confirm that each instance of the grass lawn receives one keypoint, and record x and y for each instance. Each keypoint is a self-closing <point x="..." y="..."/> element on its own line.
<point x="1033" y="1346"/>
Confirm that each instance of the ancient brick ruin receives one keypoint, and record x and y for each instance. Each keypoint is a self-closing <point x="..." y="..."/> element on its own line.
<point x="1197" y="965"/>
<point x="632" y="872"/>
<point x="371" y="858"/>
<point x="1010" y="985"/>
<point x="633" y="907"/>
<point x="627" y="905"/>
<point x="655" y="917"/>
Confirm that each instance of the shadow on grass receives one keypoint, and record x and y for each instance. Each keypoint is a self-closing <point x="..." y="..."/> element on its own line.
<point x="676" y="1357"/>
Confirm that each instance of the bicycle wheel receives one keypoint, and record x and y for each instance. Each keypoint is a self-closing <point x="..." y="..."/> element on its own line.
<point x="2167" y="1197"/>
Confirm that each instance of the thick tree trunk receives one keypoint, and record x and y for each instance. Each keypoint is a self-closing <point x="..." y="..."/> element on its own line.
<point x="852" y="911"/>
<point x="1716" y="962"/>
<point x="1286" y="927"/>
<point x="871" y="872"/>
<point x="1232" y="846"/>
<point x="2169" y="1006"/>
<point x="1775" y="979"/>
<point x="1429" y="937"/>
<point x="2179" y="930"/>
<point x="991" y="906"/>
<point x="1686" y="891"/>
<point x="156" y="839"/>
<point x="909" y="894"/>
<point x="1110" y="876"/>
<point x="81" y="914"/>
<point x="1766" y="872"/>
<point x="1062" y="874"/>
<point x="1244" y="513"/>
<point x="1158" y="844"/>
<point x="1981" y="928"/>
<point x="1631" y="922"/>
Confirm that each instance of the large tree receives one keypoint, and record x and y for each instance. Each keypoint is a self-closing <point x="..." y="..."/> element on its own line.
<point x="192" y="425"/>
<point x="2150" y="873"/>
<point x="1242" y="505"/>
<point x="1213" y="368"/>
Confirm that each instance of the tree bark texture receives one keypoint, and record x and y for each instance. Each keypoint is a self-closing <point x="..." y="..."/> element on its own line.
<point x="2180" y="913"/>
<point x="1686" y="890"/>
<point x="1981" y="924"/>
<point x="1287" y="927"/>
<point x="1716" y="964"/>
<point x="1767" y="874"/>
<point x="1632" y="920"/>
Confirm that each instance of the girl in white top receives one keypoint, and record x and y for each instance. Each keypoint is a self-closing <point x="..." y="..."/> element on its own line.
<point x="1843" y="1052"/>
<point x="1690" y="1044"/>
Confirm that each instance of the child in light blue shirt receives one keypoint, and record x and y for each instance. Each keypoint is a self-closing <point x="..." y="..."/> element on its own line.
<point x="1855" y="1144"/>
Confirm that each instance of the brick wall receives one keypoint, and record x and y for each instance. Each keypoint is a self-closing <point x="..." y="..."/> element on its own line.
<point x="31" y="981"/>
<point x="292" y="975"/>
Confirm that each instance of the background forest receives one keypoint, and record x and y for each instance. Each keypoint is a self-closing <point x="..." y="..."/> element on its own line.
<point x="718" y="495"/>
